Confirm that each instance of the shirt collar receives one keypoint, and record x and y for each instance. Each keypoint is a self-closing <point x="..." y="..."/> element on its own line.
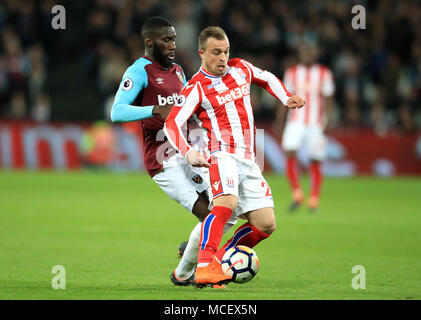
<point x="158" y="64"/>
<point x="202" y="70"/>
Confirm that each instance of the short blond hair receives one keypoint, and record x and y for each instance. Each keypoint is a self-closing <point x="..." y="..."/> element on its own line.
<point x="211" y="32"/>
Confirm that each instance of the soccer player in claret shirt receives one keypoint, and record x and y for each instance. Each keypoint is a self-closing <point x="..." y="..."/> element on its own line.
<point x="306" y="127"/>
<point x="219" y="95"/>
<point x="147" y="92"/>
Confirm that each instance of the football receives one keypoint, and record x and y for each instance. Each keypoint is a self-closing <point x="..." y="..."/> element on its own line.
<point x="241" y="263"/>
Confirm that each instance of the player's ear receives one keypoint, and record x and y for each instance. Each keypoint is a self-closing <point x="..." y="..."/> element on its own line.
<point x="148" y="42"/>
<point x="201" y="53"/>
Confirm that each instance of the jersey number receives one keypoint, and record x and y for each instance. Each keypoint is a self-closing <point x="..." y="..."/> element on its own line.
<point x="268" y="192"/>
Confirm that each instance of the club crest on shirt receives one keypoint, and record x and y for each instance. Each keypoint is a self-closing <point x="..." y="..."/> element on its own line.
<point x="180" y="76"/>
<point x="127" y="84"/>
<point x="230" y="182"/>
<point x="197" y="179"/>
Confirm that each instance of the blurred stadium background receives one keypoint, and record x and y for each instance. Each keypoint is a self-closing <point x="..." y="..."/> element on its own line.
<point x="55" y="84"/>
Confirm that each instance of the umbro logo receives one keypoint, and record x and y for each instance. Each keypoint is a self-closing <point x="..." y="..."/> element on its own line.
<point x="159" y="80"/>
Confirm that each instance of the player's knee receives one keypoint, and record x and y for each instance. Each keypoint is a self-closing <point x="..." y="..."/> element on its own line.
<point x="200" y="208"/>
<point x="232" y="204"/>
<point x="263" y="220"/>
<point x="291" y="153"/>
<point x="228" y="201"/>
<point x="268" y="227"/>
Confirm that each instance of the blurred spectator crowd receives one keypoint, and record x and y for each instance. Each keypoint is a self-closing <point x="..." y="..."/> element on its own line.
<point x="377" y="70"/>
<point x="25" y="45"/>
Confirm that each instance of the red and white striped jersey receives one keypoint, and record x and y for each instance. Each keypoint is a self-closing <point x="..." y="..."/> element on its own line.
<point x="223" y="108"/>
<point x="312" y="83"/>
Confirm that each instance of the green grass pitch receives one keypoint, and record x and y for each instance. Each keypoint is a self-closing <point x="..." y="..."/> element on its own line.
<point x="117" y="237"/>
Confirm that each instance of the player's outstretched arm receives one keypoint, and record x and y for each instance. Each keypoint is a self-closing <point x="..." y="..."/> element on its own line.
<point x="273" y="85"/>
<point x="125" y="113"/>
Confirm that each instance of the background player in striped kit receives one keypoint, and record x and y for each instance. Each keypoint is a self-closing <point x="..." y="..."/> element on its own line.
<point x="306" y="127"/>
<point x="219" y="95"/>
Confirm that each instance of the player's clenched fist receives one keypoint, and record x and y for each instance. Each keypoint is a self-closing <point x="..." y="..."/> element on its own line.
<point x="162" y="111"/>
<point x="295" y="102"/>
<point x="195" y="159"/>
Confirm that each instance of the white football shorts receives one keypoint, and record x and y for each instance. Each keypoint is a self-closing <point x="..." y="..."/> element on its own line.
<point x="181" y="182"/>
<point x="242" y="178"/>
<point x="297" y="135"/>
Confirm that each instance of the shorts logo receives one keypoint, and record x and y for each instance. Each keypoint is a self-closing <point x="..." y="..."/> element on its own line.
<point x="216" y="185"/>
<point x="197" y="179"/>
<point x="230" y="182"/>
<point x="127" y="84"/>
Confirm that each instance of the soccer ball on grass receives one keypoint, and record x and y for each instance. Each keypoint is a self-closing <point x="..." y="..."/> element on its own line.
<point x="241" y="263"/>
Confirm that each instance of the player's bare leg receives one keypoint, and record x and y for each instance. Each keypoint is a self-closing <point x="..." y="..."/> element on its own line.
<point x="293" y="177"/>
<point x="261" y="224"/>
<point x="200" y="208"/>
<point x="263" y="219"/>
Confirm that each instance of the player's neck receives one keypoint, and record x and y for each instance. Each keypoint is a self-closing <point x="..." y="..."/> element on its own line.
<point x="150" y="56"/>
<point x="211" y="73"/>
<point x="208" y="72"/>
<point x="308" y="64"/>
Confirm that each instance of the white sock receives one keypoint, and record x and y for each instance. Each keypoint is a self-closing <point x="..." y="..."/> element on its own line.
<point x="228" y="226"/>
<point x="185" y="268"/>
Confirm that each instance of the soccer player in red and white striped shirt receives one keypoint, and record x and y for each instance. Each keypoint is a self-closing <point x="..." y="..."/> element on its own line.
<point x="219" y="96"/>
<point x="306" y="127"/>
